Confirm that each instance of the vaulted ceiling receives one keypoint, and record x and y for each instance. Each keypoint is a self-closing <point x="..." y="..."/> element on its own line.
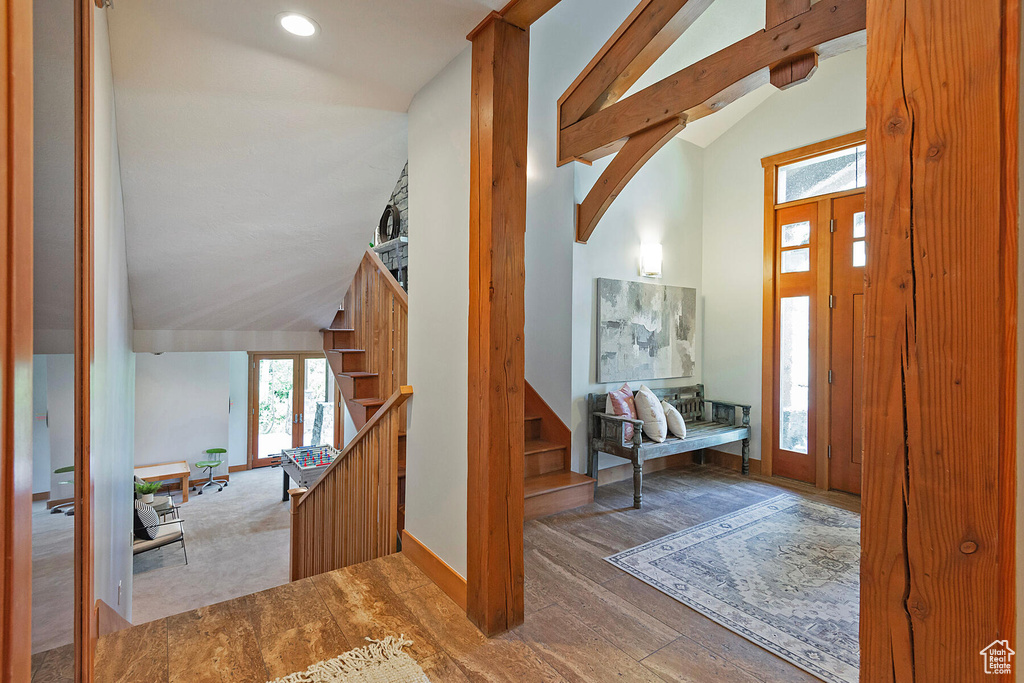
<point x="254" y="163"/>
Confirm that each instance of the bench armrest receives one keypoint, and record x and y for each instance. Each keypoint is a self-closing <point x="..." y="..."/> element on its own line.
<point x="726" y="411"/>
<point x="610" y="429"/>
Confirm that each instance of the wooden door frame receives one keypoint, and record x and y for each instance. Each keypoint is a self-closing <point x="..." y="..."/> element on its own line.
<point x="822" y="341"/>
<point x="86" y="626"/>
<point x="16" y="346"/>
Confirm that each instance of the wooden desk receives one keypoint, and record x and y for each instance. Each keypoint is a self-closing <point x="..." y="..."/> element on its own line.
<point x="167" y="470"/>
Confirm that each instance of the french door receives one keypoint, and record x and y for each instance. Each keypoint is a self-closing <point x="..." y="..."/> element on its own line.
<point x="292" y="403"/>
<point x="819" y="341"/>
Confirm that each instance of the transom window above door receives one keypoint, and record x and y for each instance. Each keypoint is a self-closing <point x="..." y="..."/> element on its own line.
<point x="833" y="172"/>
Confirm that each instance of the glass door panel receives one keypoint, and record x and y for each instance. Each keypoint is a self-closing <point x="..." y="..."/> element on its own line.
<point x="275" y="414"/>
<point x="794" y="372"/>
<point x="318" y="403"/>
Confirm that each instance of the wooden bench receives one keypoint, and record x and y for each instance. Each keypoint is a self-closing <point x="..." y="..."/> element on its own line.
<point x="729" y="422"/>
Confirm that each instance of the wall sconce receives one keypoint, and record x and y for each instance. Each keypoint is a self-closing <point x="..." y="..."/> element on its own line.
<point x="650" y="259"/>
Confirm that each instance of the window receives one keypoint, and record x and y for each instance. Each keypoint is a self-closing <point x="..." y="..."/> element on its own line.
<point x="833" y="172"/>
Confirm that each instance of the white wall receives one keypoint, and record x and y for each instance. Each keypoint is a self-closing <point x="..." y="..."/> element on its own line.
<point x="181" y="407"/>
<point x="832" y="103"/>
<point x="439" y="135"/>
<point x="661" y="204"/>
<point x="561" y="45"/>
<point x="40" y="429"/>
<point x="60" y="408"/>
<point x="113" y="368"/>
<point x="238" y="418"/>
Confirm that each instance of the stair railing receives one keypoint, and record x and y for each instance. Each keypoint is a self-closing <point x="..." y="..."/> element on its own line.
<point x="350" y="514"/>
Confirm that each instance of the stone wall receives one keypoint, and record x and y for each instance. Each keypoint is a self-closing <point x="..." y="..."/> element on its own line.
<point x="400" y="198"/>
<point x="395" y="254"/>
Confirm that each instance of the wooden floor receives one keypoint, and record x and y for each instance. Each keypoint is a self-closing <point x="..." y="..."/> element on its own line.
<point x="586" y="620"/>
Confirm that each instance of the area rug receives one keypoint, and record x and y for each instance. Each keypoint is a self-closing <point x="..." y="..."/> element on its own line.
<point x="382" y="661"/>
<point x="783" y="573"/>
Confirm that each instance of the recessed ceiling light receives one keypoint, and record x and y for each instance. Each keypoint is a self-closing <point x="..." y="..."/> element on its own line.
<point x="297" y="24"/>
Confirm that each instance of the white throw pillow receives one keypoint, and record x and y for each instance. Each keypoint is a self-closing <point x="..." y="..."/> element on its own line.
<point x="648" y="409"/>
<point x="676" y="424"/>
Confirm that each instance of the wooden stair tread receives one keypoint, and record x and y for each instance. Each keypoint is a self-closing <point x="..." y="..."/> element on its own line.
<point x="555" y="481"/>
<point x="369" y="402"/>
<point x="532" y="417"/>
<point x="337" y="329"/>
<point x="346" y="350"/>
<point x="541" y="446"/>
<point x="357" y="374"/>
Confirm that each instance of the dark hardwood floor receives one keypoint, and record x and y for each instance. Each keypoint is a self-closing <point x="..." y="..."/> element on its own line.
<point x="586" y="620"/>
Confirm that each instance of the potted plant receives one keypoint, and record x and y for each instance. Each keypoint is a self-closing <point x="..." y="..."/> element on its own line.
<point x="146" y="489"/>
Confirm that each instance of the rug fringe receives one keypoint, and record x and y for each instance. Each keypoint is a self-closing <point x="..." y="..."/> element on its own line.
<point x="376" y="653"/>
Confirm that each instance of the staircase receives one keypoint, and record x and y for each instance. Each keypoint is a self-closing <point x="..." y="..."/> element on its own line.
<point x="550" y="484"/>
<point x="366" y="347"/>
<point x="356" y="510"/>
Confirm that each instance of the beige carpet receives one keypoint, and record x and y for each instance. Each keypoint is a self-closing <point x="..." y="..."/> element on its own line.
<point x="382" y="661"/>
<point x="237" y="543"/>
<point x="53" y="576"/>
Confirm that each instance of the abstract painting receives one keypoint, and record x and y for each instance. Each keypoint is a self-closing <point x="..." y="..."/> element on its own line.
<point x="644" y="331"/>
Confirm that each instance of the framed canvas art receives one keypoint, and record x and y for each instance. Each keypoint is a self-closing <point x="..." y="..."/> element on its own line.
<point x="645" y="331"/>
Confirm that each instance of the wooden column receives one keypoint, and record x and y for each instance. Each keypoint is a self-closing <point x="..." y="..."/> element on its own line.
<point x="16" y="343"/>
<point x="937" y="573"/>
<point x="496" y="325"/>
<point x="86" y="627"/>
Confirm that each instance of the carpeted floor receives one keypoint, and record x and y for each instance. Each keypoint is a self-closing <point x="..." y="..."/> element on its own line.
<point x="237" y="543"/>
<point x="53" y="573"/>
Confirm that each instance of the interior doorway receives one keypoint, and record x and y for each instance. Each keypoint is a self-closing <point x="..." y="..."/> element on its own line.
<point x="815" y="241"/>
<point x="293" y="402"/>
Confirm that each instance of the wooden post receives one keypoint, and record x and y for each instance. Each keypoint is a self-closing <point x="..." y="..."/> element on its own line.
<point x="16" y="344"/>
<point x="296" y="553"/>
<point x="496" y="436"/>
<point x="937" y="571"/>
<point x="86" y="626"/>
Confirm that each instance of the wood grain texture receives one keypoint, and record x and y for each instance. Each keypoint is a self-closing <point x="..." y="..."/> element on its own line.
<point x="938" y="394"/>
<point x="780" y="11"/>
<point x="551" y="427"/>
<point x="85" y="624"/>
<point x="16" y="343"/>
<point x="350" y="514"/>
<point x="586" y="620"/>
<point x="630" y="159"/>
<point x="634" y="47"/>
<point x="434" y="567"/>
<point x="523" y="13"/>
<point x="794" y="71"/>
<point x="497" y="279"/>
<point x="710" y="83"/>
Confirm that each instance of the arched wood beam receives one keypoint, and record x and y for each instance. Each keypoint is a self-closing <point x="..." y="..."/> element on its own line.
<point x="630" y="159"/>
<point x="829" y="27"/>
<point x="645" y="35"/>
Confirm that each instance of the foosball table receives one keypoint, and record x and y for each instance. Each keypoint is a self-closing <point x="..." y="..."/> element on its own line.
<point x="305" y="465"/>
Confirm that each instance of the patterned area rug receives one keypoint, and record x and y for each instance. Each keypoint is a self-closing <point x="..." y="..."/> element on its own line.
<point x="382" y="661"/>
<point x="783" y="573"/>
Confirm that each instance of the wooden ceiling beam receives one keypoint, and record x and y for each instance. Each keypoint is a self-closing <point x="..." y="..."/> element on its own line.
<point x="630" y="159"/>
<point x="645" y="35"/>
<point x="523" y="13"/>
<point x="829" y="27"/>
<point x="794" y="71"/>
<point x="780" y="11"/>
